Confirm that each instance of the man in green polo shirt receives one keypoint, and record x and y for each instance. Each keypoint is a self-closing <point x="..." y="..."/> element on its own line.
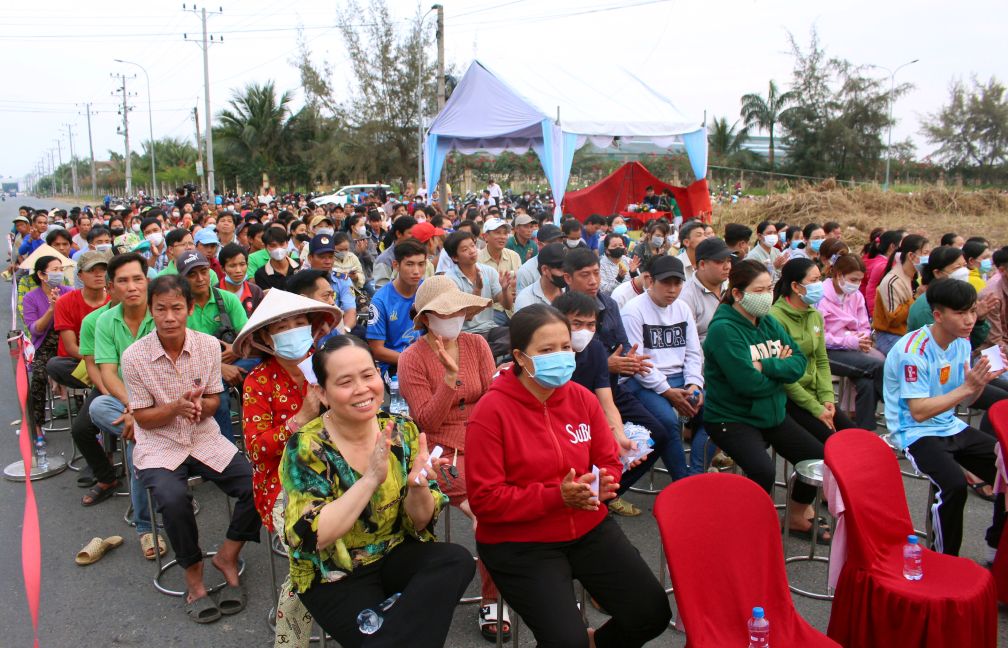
<point x="178" y="241"/>
<point x="206" y="317"/>
<point x="521" y="240"/>
<point x="116" y="329"/>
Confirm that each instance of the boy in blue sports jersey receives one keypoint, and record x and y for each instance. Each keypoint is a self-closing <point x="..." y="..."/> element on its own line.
<point x="390" y="328"/>
<point x="928" y="373"/>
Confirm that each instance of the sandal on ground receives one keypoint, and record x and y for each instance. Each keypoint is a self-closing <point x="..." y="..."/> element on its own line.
<point x="203" y="610"/>
<point x="488" y="622"/>
<point x="86" y="478"/>
<point x="979" y="491"/>
<point x="821" y="530"/>
<point x="96" y="548"/>
<point x="98" y="494"/>
<point x="147" y="545"/>
<point x="231" y="599"/>
<point x="620" y="506"/>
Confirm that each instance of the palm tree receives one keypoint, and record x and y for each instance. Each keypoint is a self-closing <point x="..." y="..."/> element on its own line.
<point x="723" y="139"/>
<point x="765" y="112"/>
<point x="255" y="127"/>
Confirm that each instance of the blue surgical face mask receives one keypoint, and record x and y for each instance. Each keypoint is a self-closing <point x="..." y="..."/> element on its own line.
<point x="815" y="244"/>
<point x="553" y="370"/>
<point x="619" y="229"/>
<point x="293" y="344"/>
<point x="231" y="281"/>
<point x="795" y="244"/>
<point x="986" y="266"/>
<point x="813" y="293"/>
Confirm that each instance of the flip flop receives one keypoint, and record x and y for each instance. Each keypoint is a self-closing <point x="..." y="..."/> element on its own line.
<point x="203" y="610"/>
<point x="231" y="599"/>
<point x="978" y="491"/>
<point x="96" y="548"/>
<point x="99" y="494"/>
<point x="147" y="545"/>
<point x="821" y="531"/>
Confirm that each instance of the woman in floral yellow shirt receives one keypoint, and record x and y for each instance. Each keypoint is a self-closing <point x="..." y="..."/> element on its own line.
<point x="360" y="512"/>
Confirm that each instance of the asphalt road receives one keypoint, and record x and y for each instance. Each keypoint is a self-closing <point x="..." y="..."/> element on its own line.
<point x="113" y="603"/>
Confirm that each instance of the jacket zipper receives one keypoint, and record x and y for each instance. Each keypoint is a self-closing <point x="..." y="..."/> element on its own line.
<point x="562" y="467"/>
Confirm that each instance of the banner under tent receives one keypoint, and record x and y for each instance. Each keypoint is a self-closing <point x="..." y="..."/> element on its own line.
<point x="625" y="186"/>
<point x="554" y="113"/>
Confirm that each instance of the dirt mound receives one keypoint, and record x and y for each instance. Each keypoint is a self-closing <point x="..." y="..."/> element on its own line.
<point x="931" y="211"/>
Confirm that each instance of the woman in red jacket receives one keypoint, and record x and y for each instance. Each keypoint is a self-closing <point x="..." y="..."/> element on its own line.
<point x="532" y="443"/>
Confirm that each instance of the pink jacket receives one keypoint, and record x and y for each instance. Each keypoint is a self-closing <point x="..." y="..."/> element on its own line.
<point x="845" y="319"/>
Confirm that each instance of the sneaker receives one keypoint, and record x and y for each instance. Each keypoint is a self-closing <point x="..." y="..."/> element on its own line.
<point x="991" y="554"/>
<point x="620" y="506"/>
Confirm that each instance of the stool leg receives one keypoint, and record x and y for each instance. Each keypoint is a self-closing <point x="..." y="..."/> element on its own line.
<point x="154" y="528"/>
<point x="815" y="525"/>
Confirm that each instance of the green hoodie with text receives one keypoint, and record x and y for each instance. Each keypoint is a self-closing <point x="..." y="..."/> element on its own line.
<point x="806" y="328"/>
<point x="736" y="391"/>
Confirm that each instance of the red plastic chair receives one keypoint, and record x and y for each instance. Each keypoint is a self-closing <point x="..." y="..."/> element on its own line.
<point x="998" y="415"/>
<point x="739" y="570"/>
<point x="953" y="606"/>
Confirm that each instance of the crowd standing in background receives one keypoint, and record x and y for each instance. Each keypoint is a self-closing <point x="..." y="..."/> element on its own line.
<point x="353" y="339"/>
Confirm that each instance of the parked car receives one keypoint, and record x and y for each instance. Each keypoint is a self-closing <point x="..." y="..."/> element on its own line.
<point x="347" y="194"/>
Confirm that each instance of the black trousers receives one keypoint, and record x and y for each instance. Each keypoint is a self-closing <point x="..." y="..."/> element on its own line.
<point x="747" y="445"/>
<point x="812" y="424"/>
<point x="432" y="577"/>
<point x="866" y="372"/>
<point x="85" y="435"/>
<point x="942" y="460"/>
<point x="535" y="578"/>
<point x="60" y="369"/>
<point x="174" y="503"/>
<point x="632" y="410"/>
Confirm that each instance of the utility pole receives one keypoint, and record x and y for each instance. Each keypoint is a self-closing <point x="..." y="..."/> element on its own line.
<point x="442" y="181"/>
<point x="199" y="153"/>
<point x="208" y="195"/>
<point x="59" y="150"/>
<point x="125" y="134"/>
<point x="73" y="162"/>
<point x="94" y="173"/>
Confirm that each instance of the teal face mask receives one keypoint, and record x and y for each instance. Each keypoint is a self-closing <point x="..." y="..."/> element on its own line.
<point x="986" y="266"/>
<point x="294" y="343"/>
<point x="553" y="370"/>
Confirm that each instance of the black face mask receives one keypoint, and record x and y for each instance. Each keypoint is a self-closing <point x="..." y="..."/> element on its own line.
<point x="558" y="281"/>
<point x="616" y="253"/>
<point x="118" y="231"/>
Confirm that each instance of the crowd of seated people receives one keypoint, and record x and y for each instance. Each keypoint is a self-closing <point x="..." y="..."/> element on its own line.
<point x="529" y="352"/>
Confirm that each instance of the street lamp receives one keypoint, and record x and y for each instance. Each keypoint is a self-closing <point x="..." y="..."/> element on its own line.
<point x="892" y="88"/>
<point x="150" y="123"/>
<point x="419" y="101"/>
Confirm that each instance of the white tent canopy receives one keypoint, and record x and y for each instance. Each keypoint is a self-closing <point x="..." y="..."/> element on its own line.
<point x="555" y="113"/>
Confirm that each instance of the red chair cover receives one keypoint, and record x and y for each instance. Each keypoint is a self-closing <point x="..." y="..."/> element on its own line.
<point x="998" y="415"/>
<point x="739" y="570"/>
<point x="953" y="606"/>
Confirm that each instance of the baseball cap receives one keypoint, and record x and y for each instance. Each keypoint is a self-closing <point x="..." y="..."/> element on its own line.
<point x="88" y="260"/>
<point x="548" y="232"/>
<point x="21" y="219"/>
<point x="551" y="255"/>
<point x="206" y="236"/>
<point x="321" y="244"/>
<point x="494" y="223"/>
<point x="523" y="219"/>
<point x="712" y="249"/>
<point x="424" y="231"/>
<point x="320" y="219"/>
<point x="665" y="267"/>
<point x="186" y="261"/>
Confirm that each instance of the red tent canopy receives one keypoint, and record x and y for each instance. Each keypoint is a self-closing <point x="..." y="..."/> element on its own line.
<point x="625" y="185"/>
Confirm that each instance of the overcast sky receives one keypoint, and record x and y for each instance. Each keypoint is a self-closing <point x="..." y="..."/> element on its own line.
<point x="703" y="55"/>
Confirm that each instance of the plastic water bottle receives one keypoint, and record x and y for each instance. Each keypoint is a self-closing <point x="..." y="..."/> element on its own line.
<point x="370" y="621"/>
<point x="913" y="568"/>
<point x="41" y="453"/>
<point x="759" y="629"/>
<point x="397" y="404"/>
<point x="694" y="398"/>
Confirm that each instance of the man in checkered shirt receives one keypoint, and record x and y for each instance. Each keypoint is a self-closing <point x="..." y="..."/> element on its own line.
<point x="173" y="378"/>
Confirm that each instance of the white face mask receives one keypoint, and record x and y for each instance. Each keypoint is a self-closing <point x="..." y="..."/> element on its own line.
<point x="278" y="254"/>
<point x="770" y="240"/>
<point x="448" y="329"/>
<point x="962" y="274"/>
<point x="848" y="288"/>
<point x="155" y="238"/>
<point x="580" y="339"/>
